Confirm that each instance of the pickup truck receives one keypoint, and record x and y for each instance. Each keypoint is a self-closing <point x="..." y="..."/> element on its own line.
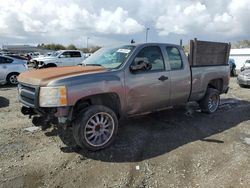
<point x="59" y="58"/>
<point x="121" y="81"/>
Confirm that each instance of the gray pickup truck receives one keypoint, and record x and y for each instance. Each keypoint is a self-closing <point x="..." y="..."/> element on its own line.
<point x="124" y="81"/>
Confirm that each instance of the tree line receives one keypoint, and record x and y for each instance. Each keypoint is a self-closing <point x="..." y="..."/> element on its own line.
<point x="56" y="47"/>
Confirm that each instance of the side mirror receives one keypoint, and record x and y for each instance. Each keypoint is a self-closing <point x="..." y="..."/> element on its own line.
<point x="140" y="64"/>
<point x="62" y="56"/>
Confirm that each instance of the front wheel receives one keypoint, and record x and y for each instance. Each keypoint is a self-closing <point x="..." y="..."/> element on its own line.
<point x="95" y="127"/>
<point x="12" y="78"/>
<point x="210" y="103"/>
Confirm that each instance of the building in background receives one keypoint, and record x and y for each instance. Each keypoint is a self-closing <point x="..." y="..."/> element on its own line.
<point x="240" y="56"/>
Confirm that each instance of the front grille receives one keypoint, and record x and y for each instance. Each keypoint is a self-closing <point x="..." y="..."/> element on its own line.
<point x="27" y="94"/>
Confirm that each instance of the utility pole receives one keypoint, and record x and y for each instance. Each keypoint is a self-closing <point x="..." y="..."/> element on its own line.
<point x="88" y="42"/>
<point x="147" y="34"/>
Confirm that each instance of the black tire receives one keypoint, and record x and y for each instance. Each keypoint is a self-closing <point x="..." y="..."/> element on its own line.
<point x="12" y="78"/>
<point x="233" y="73"/>
<point x="84" y="123"/>
<point x="49" y="65"/>
<point x="210" y="102"/>
<point x="35" y="64"/>
<point x="242" y="86"/>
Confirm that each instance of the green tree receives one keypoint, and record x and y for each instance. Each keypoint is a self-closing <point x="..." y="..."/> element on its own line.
<point x="71" y="47"/>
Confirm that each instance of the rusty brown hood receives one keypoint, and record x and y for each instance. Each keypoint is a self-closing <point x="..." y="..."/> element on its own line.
<point x="44" y="76"/>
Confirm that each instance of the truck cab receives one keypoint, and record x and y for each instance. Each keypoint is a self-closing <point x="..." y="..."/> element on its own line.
<point x="59" y="58"/>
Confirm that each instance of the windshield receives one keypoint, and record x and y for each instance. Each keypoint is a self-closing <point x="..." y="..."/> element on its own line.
<point x="247" y="61"/>
<point x="54" y="54"/>
<point x="110" y="57"/>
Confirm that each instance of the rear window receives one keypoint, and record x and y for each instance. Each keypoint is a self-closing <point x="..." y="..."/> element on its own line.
<point x="174" y="56"/>
<point x="75" y="54"/>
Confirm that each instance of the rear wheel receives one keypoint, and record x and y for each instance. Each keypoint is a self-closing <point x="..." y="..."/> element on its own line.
<point x="210" y="103"/>
<point x="12" y="78"/>
<point x="95" y="127"/>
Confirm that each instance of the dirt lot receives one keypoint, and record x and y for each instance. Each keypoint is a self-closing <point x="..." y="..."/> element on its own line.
<point x="167" y="149"/>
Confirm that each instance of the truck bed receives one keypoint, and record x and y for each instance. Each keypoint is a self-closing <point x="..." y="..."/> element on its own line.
<point x="208" y="61"/>
<point x="201" y="75"/>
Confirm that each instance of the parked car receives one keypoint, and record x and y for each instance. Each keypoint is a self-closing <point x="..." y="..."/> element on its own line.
<point x="10" y="68"/>
<point x="246" y="65"/>
<point x="59" y="58"/>
<point x="18" y="57"/>
<point x="122" y="81"/>
<point x="232" y="67"/>
<point x="244" y="78"/>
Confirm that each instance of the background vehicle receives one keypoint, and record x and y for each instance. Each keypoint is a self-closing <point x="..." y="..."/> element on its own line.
<point x="59" y="58"/>
<point x="232" y="67"/>
<point x="10" y="68"/>
<point x="125" y="81"/>
<point x="244" y="78"/>
<point x="18" y="57"/>
<point x="246" y="65"/>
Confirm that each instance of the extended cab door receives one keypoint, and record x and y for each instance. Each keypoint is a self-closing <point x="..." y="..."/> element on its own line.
<point x="180" y="75"/>
<point x="147" y="90"/>
<point x="76" y="57"/>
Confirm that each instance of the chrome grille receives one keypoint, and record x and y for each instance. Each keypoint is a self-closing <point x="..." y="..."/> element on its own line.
<point x="27" y="95"/>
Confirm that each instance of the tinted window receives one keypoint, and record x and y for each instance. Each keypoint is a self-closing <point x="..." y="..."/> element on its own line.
<point x="75" y="54"/>
<point x="4" y="60"/>
<point x="151" y="55"/>
<point x="174" y="56"/>
<point x="66" y="54"/>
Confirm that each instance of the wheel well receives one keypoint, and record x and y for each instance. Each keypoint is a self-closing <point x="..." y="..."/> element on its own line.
<point x="216" y="84"/>
<point x="17" y="73"/>
<point x="110" y="100"/>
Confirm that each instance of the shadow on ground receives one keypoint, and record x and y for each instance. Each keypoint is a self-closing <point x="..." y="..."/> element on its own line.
<point x="4" y="102"/>
<point x="7" y="87"/>
<point x="149" y="136"/>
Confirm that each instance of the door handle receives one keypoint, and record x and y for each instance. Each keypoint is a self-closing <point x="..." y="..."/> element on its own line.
<point x="163" y="78"/>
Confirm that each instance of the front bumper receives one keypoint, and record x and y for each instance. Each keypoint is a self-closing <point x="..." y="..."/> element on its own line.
<point x="243" y="81"/>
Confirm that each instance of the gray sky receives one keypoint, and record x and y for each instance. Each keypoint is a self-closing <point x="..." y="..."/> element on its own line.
<point x="113" y="21"/>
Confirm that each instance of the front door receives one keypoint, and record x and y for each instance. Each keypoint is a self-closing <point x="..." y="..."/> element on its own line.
<point x="148" y="90"/>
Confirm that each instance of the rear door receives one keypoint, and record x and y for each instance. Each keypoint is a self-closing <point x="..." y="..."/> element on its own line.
<point x="148" y="90"/>
<point x="65" y="59"/>
<point x="180" y="75"/>
<point x="76" y="57"/>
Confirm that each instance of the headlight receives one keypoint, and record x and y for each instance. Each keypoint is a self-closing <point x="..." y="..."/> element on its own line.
<point x="53" y="96"/>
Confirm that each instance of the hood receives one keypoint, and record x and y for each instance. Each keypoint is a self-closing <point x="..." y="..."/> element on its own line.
<point x="44" y="76"/>
<point x="45" y="58"/>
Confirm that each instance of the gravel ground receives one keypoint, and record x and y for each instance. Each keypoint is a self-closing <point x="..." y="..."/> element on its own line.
<point x="180" y="147"/>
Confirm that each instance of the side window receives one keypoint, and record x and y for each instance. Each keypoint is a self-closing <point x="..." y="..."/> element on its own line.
<point x="4" y="60"/>
<point x="66" y="54"/>
<point x="75" y="54"/>
<point x="153" y="56"/>
<point x="175" y="60"/>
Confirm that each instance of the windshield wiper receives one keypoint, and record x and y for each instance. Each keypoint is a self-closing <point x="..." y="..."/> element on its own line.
<point x="93" y="64"/>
